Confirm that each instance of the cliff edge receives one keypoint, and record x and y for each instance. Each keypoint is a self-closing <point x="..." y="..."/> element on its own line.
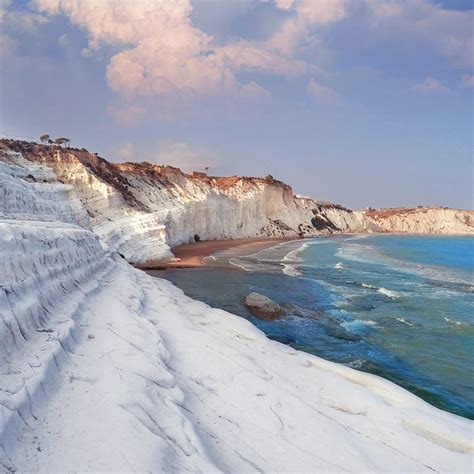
<point x="144" y="210"/>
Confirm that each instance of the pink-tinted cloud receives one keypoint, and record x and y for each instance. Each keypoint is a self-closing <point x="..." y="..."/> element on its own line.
<point x="322" y="94"/>
<point x="163" y="61"/>
<point x="430" y="85"/>
<point x="165" y="55"/>
<point x="298" y="30"/>
<point x="315" y="11"/>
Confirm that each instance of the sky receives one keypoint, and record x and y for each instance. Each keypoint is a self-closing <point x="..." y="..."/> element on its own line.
<point x="360" y="102"/>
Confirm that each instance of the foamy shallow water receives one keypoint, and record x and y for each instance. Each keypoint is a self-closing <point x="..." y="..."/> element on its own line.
<point x="397" y="306"/>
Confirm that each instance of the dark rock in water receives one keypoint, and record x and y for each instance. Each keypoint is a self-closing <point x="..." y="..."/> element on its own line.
<point x="363" y="303"/>
<point x="301" y="312"/>
<point x="261" y="306"/>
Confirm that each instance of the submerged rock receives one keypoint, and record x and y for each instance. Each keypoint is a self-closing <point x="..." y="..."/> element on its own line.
<point x="262" y="306"/>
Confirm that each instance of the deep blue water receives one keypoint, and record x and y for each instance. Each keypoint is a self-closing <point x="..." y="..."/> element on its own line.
<point x="399" y="306"/>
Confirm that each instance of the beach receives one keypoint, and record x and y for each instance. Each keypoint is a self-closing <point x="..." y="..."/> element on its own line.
<point x="194" y="255"/>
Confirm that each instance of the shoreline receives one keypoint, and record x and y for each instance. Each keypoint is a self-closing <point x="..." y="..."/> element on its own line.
<point x="193" y="255"/>
<point x="245" y="247"/>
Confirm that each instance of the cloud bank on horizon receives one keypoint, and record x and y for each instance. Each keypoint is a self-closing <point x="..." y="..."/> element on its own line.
<point x="173" y="79"/>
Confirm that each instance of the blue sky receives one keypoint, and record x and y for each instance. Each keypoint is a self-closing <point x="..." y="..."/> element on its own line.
<point x="362" y="102"/>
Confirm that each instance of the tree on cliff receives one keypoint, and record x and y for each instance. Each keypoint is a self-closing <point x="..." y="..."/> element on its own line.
<point x="62" y="141"/>
<point x="45" y="138"/>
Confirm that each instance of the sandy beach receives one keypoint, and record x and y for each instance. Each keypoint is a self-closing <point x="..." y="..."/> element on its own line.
<point x="194" y="254"/>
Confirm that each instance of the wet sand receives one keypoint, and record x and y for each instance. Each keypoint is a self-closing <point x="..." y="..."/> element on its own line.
<point x="193" y="255"/>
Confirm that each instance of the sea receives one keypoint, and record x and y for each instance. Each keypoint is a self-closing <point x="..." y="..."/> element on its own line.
<point x="398" y="306"/>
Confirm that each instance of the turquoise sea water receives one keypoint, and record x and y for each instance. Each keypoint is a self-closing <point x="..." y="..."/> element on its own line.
<point x="399" y="306"/>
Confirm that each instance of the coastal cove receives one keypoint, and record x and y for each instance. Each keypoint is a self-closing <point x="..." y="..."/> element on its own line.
<point x="107" y="368"/>
<point x="373" y="303"/>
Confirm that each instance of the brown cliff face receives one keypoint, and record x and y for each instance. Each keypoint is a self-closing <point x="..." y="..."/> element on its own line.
<point x="165" y="173"/>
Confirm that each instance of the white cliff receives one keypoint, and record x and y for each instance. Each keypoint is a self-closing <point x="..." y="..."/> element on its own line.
<point x="105" y="368"/>
<point x="49" y="199"/>
<point x="419" y="220"/>
<point x="143" y="210"/>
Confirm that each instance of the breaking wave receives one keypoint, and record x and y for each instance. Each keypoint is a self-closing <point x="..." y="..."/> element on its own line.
<point x="291" y="270"/>
<point x="390" y="293"/>
<point x="369" y="254"/>
<point x="453" y="322"/>
<point x="404" y="321"/>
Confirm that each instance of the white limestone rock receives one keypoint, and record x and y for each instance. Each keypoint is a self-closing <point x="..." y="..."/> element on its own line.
<point x="105" y="368"/>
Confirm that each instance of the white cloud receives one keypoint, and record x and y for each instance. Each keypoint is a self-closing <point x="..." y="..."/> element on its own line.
<point x="322" y="94"/>
<point x="467" y="80"/>
<point x="163" y="62"/>
<point x="448" y="32"/>
<point x="4" y="4"/>
<point x="162" y="54"/>
<point x="284" y="4"/>
<point x="247" y="55"/>
<point x="430" y="85"/>
<point x="64" y="41"/>
<point x="21" y="21"/>
<point x="299" y="29"/>
<point x="24" y="21"/>
<point x="315" y="11"/>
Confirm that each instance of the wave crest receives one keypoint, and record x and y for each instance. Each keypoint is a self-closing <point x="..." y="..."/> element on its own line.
<point x="389" y="293"/>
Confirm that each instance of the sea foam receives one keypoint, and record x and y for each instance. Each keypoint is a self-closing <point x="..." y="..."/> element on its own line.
<point x="390" y="293"/>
